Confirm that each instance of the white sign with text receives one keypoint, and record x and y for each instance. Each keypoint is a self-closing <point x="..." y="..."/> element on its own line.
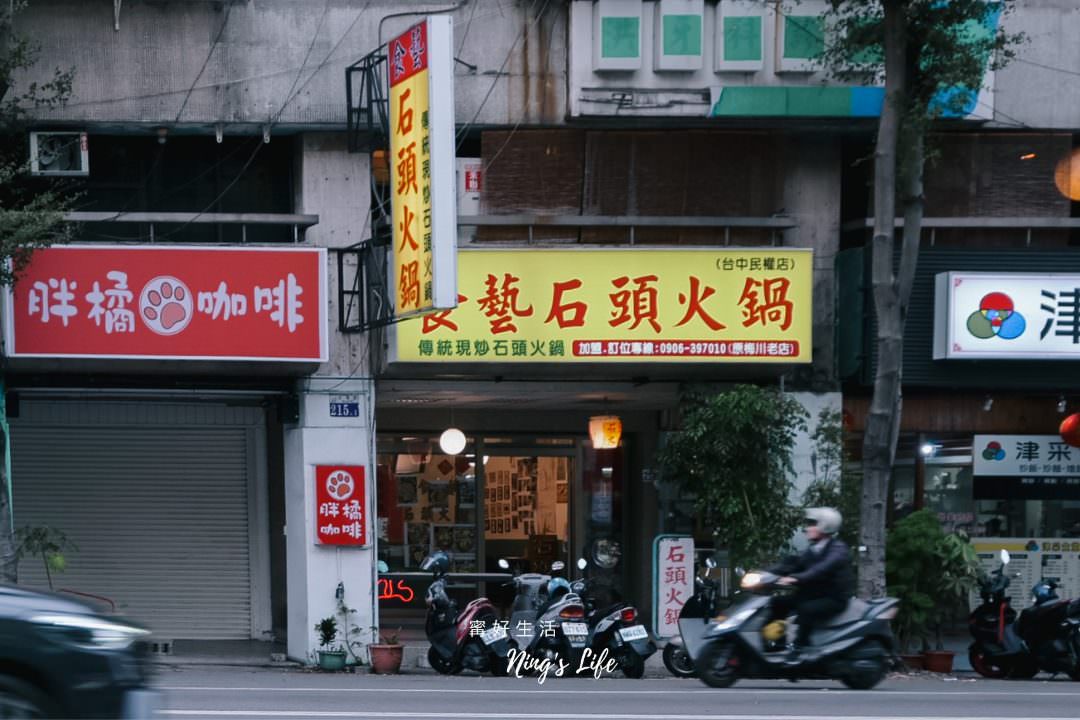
<point x="1006" y="316"/>
<point x="673" y="581"/>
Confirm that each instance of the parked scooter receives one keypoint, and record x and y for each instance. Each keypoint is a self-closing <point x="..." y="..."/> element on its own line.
<point x="454" y="647"/>
<point x="853" y="647"/>
<point x="1045" y="636"/>
<point x="530" y="592"/>
<point x="616" y="630"/>
<point x="547" y="618"/>
<point x="694" y="619"/>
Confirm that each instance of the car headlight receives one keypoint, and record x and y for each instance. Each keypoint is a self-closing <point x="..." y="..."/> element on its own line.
<point x="91" y="633"/>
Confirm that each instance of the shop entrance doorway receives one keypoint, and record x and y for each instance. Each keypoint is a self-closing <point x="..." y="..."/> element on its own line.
<point x="527" y="517"/>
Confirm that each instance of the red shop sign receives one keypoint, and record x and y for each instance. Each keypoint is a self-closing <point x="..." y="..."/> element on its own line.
<point x="340" y="505"/>
<point x="170" y="303"/>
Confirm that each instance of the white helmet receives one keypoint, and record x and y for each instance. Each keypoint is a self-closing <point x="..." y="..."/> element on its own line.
<point x="826" y="519"/>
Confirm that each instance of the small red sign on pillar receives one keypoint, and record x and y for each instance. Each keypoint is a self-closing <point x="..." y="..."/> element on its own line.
<point x="340" y="507"/>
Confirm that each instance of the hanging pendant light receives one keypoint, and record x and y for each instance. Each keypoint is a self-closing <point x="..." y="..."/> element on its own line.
<point x="452" y="441"/>
<point x="605" y="431"/>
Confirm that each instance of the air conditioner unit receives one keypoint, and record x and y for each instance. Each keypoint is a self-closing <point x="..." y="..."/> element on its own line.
<point x="55" y="153"/>
<point x="470" y="184"/>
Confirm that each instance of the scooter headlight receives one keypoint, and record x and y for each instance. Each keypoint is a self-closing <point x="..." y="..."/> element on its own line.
<point x="750" y="580"/>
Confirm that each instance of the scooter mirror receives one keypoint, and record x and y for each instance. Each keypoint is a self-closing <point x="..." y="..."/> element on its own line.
<point x="1004" y="557"/>
<point x="582" y="563"/>
<point x="710" y="563"/>
<point x="503" y="564"/>
<point x="739" y="572"/>
<point x="383" y="567"/>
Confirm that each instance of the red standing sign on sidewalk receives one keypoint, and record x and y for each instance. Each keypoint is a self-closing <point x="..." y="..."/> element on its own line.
<point x="340" y="510"/>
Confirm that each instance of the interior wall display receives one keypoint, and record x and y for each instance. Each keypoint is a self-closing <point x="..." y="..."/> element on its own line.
<point x="406" y="489"/>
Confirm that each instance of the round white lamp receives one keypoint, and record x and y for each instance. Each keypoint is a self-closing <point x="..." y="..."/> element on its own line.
<point x="452" y="441"/>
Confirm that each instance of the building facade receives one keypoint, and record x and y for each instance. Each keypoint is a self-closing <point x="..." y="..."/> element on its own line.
<point x="650" y="151"/>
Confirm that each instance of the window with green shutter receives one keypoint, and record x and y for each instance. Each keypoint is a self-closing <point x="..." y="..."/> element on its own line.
<point x="742" y="38"/>
<point x="804" y="37"/>
<point x="619" y="37"/>
<point x="682" y="34"/>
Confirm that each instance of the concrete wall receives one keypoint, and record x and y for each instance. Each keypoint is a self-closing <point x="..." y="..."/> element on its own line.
<point x="667" y="93"/>
<point x="812" y="198"/>
<point x="1037" y="89"/>
<point x="1040" y="87"/>
<point x="283" y="61"/>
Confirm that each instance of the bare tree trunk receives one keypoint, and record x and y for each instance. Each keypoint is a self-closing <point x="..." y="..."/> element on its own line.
<point x="882" y="423"/>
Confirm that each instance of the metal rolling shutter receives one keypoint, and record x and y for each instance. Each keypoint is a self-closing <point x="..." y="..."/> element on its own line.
<point x="159" y="514"/>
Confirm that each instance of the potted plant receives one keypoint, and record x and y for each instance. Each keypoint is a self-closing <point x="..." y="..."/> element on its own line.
<point x="45" y="542"/>
<point x="957" y="576"/>
<point x="386" y="654"/>
<point x="331" y="656"/>
<point x="931" y="574"/>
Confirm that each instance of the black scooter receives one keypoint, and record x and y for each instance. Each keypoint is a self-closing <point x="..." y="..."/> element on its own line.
<point x="1045" y="636"/>
<point x="694" y="618"/>
<point x="614" y="630"/>
<point x="854" y="647"/>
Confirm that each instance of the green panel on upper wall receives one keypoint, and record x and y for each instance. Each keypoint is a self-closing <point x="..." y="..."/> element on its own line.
<point x="784" y="101"/>
<point x="682" y="34"/>
<point x="742" y="38"/>
<point x="804" y="36"/>
<point x="619" y="37"/>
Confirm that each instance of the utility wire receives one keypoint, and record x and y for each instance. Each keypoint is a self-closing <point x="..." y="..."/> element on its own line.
<point x="293" y="93"/>
<point x="213" y="47"/>
<point x="499" y="74"/>
<point x="1047" y="67"/>
<point x="510" y="136"/>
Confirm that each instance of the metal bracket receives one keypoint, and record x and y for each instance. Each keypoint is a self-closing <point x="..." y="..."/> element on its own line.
<point x="367" y="112"/>
<point x="364" y="300"/>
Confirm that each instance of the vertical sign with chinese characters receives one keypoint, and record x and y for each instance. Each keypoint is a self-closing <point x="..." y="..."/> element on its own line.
<point x="340" y="509"/>
<point x="422" y="168"/>
<point x="673" y="581"/>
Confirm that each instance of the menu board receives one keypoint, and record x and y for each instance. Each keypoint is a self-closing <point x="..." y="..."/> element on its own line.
<point x="1030" y="560"/>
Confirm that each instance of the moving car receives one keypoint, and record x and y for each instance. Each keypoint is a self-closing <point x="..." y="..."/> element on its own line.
<point x="60" y="658"/>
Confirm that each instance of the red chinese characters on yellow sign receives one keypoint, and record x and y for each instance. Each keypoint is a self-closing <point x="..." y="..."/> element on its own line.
<point x="584" y="305"/>
<point x="410" y="170"/>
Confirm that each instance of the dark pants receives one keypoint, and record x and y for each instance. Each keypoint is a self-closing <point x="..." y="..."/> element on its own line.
<point x="810" y="612"/>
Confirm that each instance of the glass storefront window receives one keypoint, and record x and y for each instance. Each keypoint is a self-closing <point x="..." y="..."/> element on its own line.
<point x="948" y="493"/>
<point x="500" y="498"/>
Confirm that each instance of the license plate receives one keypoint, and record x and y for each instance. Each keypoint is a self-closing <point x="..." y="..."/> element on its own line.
<point x="634" y="632"/>
<point x="575" y="629"/>
<point x="493" y="634"/>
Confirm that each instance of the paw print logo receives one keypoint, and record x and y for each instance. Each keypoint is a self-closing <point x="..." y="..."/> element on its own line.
<point x="996" y="316"/>
<point x="165" y="305"/>
<point x="340" y="485"/>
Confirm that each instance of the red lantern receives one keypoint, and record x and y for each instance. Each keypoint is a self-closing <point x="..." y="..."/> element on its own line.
<point x="1070" y="430"/>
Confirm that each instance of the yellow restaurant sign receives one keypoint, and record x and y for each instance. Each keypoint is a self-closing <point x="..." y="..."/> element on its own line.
<point x="579" y="305"/>
<point x="421" y="167"/>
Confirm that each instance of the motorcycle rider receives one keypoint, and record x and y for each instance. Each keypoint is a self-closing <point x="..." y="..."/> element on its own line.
<point x="821" y="577"/>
